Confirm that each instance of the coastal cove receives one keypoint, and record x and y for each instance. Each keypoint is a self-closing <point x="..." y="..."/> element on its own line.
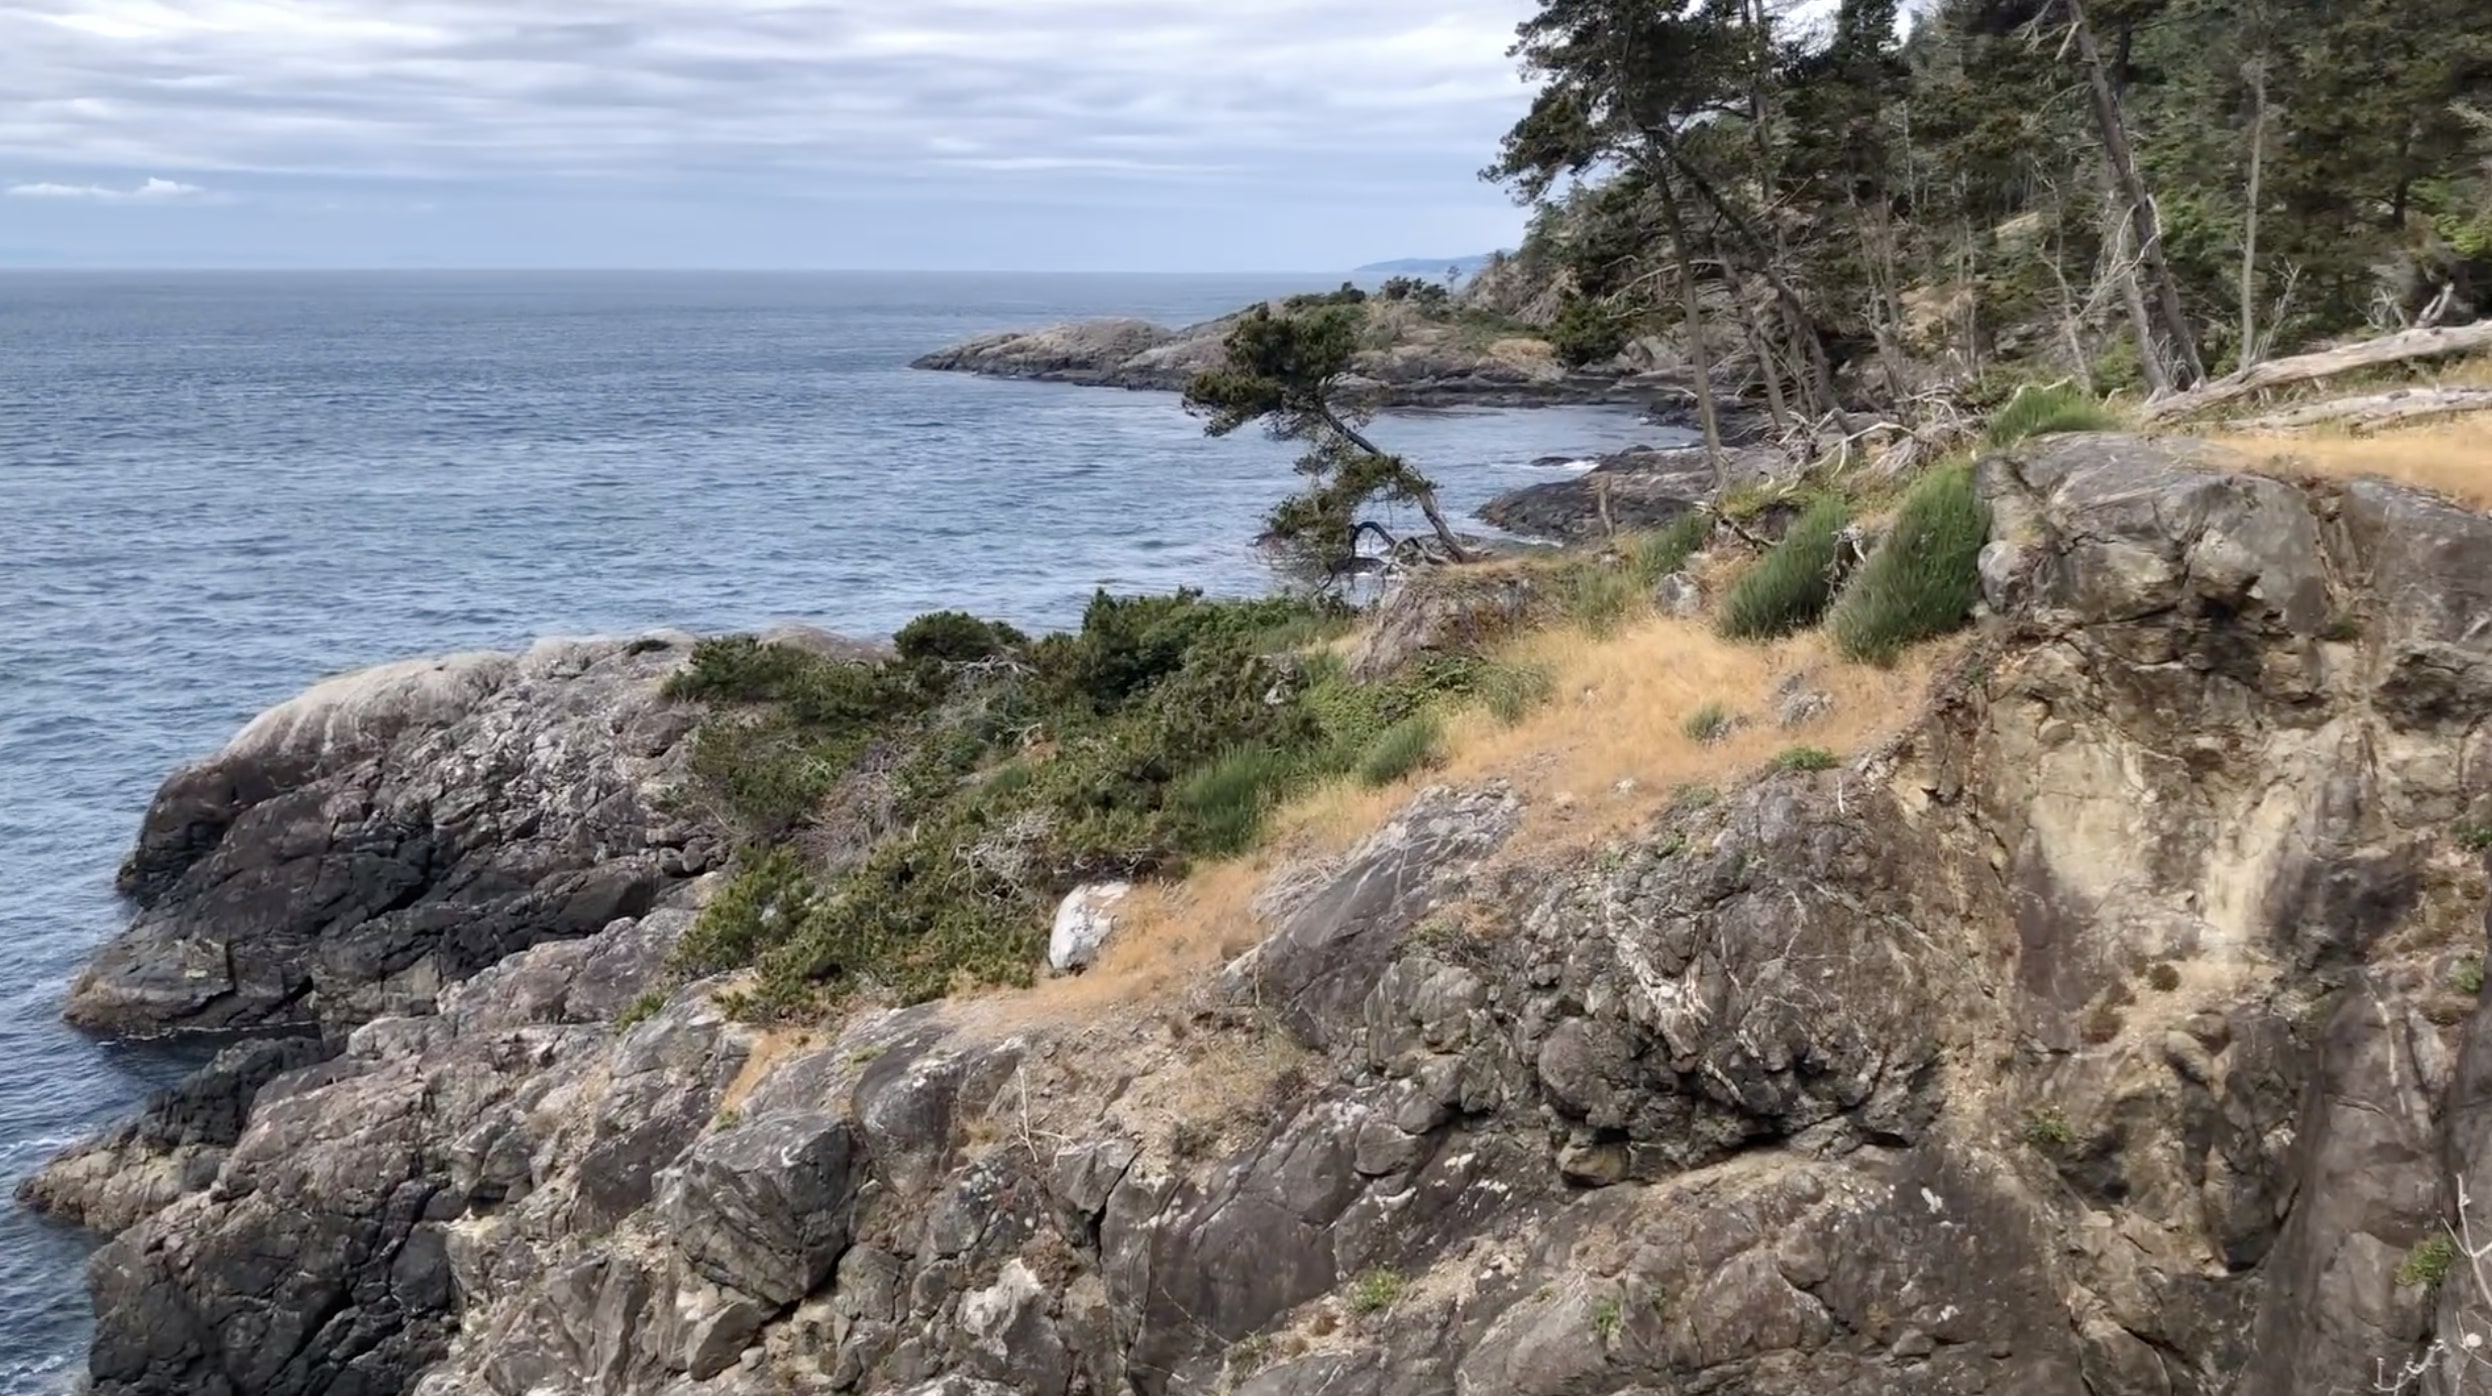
<point x="228" y="486"/>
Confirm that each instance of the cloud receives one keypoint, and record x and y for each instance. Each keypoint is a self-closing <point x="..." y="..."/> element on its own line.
<point x="805" y="96"/>
<point x="150" y="191"/>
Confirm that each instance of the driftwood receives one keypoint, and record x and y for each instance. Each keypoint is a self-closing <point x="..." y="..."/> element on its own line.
<point x="2361" y="414"/>
<point x="2305" y="368"/>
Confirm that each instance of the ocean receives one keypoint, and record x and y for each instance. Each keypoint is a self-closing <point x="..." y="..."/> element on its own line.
<point x="217" y="488"/>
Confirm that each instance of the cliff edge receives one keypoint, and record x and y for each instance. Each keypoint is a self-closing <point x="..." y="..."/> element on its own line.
<point x="2107" y="1021"/>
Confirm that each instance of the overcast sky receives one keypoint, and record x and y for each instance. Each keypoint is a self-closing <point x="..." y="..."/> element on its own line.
<point x="1165" y="135"/>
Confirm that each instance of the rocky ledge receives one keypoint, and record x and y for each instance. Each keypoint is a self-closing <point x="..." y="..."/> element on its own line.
<point x="1411" y="360"/>
<point x="2115" y="1028"/>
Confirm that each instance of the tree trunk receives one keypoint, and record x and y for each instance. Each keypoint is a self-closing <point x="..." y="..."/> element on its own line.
<point x="1692" y="317"/>
<point x="2249" y="234"/>
<point x="2305" y="368"/>
<point x="2125" y="269"/>
<point x="2121" y="157"/>
<point x="1421" y="492"/>
<point x="1795" y="311"/>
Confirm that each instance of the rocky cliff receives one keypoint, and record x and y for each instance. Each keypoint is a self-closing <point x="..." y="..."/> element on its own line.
<point x="2114" y="1027"/>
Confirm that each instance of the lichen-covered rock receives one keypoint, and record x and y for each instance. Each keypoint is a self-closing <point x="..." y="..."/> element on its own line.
<point x="387" y="833"/>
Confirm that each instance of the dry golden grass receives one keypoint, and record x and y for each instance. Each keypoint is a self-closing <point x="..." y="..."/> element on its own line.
<point x="2451" y="457"/>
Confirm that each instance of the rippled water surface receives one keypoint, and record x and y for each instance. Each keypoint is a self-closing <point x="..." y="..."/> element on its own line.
<point x="216" y="488"/>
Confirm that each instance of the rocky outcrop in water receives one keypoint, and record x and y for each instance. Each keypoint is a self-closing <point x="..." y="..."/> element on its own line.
<point x="2114" y="1029"/>
<point x="1412" y="360"/>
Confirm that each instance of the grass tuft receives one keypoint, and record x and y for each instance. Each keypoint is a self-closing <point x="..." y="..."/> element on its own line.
<point x="1511" y="692"/>
<point x="1710" y="723"/>
<point x="1404" y="747"/>
<point x="2048" y="1129"/>
<point x="1790" y="587"/>
<point x="2042" y="411"/>
<point x="1225" y="802"/>
<point x="1600" y="598"/>
<point x="1924" y="580"/>
<point x="1806" y="758"/>
<point x="1655" y="555"/>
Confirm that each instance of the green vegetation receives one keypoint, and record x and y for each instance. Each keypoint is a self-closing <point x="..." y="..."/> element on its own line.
<point x="2428" y="1264"/>
<point x="1599" y="597"/>
<point x="1654" y="555"/>
<point x="1377" y="1290"/>
<point x="1790" y="587"/>
<point x="2466" y="976"/>
<point x="2476" y="838"/>
<point x="1806" y="758"/>
<point x="1404" y="747"/>
<point x="1924" y="580"/>
<point x="1164" y="730"/>
<point x="1710" y="723"/>
<point x="2048" y="1129"/>
<point x="1512" y="691"/>
<point x="1224" y="803"/>
<point x="640" y="1010"/>
<point x="1606" y="1317"/>
<point x="2043" y="411"/>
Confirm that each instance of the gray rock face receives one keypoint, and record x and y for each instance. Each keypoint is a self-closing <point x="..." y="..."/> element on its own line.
<point x="174" y="1147"/>
<point x="394" y="831"/>
<point x="2103" y="1032"/>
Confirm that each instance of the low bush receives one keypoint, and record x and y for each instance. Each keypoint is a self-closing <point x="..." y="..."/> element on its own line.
<point x="2042" y="411"/>
<point x="1789" y="588"/>
<point x="955" y="637"/>
<point x="1925" y="579"/>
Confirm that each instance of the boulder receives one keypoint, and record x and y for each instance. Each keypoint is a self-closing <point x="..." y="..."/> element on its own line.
<point x="1084" y="921"/>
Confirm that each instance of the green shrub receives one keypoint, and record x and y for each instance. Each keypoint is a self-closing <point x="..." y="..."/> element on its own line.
<point x="1587" y="332"/>
<point x="1789" y="588"/>
<point x="2428" y="1264"/>
<point x="2041" y="411"/>
<point x="770" y="900"/>
<point x="1710" y="723"/>
<point x="1806" y="758"/>
<point x="1403" y="748"/>
<point x="1377" y="1290"/>
<point x="1925" y="579"/>
<point x="2475" y="838"/>
<point x="955" y="637"/>
<point x="1223" y="804"/>
<point x="640" y="1010"/>
<point x="1655" y="555"/>
<point x="2048" y="1129"/>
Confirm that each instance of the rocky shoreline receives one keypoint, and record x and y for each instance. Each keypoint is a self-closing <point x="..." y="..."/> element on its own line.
<point x="2105" y="1030"/>
<point x="1412" y="362"/>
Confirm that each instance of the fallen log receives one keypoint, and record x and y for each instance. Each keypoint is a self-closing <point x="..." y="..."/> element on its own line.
<point x="2305" y="368"/>
<point x="2360" y="414"/>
